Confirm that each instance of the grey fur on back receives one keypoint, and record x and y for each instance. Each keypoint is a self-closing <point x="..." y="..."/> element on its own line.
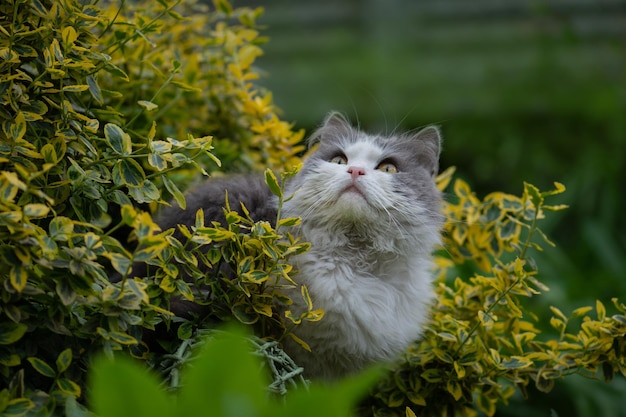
<point x="210" y="196"/>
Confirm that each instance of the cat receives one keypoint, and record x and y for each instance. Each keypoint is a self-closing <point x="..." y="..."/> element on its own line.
<point x="371" y="210"/>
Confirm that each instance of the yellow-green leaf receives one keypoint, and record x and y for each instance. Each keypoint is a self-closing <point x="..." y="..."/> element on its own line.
<point x="600" y="310"/>
<point x="17" y="129"/>
<point x="148" y="105"/>
<point x="454" y="388"/>
<point x="11" y="332"/>
<point x="272" y="183"/>
<point x="119" y="140"/>
<point x="64" y="360"/>
<point x="69" y="35"/>
<point x="18" y="407"/>
<point x="119" y="262"/>
<point x="516" y="362"/>
<point x="94" y="89"/>
<point x="122" y="338"/>
<point x="48" y="151"/>
<point x="36" y="210"/>
<point x="42" y="367"/>
<point x="129" y="172"/>
<point x="299" y="341"/>
<point x="247" y="54"/>
<point x="139" y="289"/>
<point x="216" y="234"/>
<point x="175" y="191"/>
<point x="61" y="228"/>
<point x="18" y="277"/>
<point x="290" y="221"/>
<point x="69" y="387"/>
<point x="76" y="88"/>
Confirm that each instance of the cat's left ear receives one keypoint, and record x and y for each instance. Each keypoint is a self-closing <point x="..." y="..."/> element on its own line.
<point x="335" y="126"/>
<point x="430" y="138"/>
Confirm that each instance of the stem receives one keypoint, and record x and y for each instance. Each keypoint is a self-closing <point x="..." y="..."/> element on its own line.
<point x="504" y="293"/>
<point x="154" y="97"/>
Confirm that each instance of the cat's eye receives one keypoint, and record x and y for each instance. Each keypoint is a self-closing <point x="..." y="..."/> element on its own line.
<point x="388" y="167"/>
<point x="339" y="159"/>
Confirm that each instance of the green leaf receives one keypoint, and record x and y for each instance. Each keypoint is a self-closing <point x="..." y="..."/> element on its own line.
<point x="139" y="289"/>
<point x="148" y="105"/>
<point x="176" y="193"/>
<point x="122" y="338"/>
<point x="535" y="196"/>
<point x="185" y="331"/>
<point x="69" y="387"/>
<point x="330" y="399"/>
<point x="69" y="36"/>
<point x="36" y="210"/>
<point x="272" y="183"/>
<point x="145" y="194"/>
<point x="216" y="234"/>
<point x="128" y="172"/>
<point x="223" y="6"/>
<point x="119" y="262"/>
<point x="17" y="129"/>
<point x="61" y="228"/>
<point x="157" y="161"/>
<point x="18" y="407"/>
<point x="290" y="221"/>
<point x="11" y="332"/>
<point x="118" y="139"/>
<point x="76" y="88"/>
<point x="516" y="362"/>
<point x="454" y="388"/>
<point x="49" y="153"/>
<point x="222" y="366"/>
<point x="18" y="276"/>
<point x="42" y="367"/>
<point x="116" y="71"/>
<point x="136" y="392"/>
<point x="65" y="292"/>
<point x="94" y="89"/>
<point x="64" y="360"/>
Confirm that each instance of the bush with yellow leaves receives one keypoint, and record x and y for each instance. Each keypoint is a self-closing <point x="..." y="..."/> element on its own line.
<point x="104" y="114"/>
<point x="107" y="113"/>
<point x="483" y="343"/>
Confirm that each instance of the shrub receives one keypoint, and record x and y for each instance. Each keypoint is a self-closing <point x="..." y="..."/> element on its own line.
<point x="81" y="158"/>
<point x="483" y="343"/>
<point x="107" y="114"/>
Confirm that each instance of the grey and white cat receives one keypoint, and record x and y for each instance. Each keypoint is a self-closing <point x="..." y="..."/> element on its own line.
<point x="371" y="210"/>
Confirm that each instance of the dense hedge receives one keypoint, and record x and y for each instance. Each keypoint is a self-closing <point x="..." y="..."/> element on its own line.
<point x="107" y="113"/>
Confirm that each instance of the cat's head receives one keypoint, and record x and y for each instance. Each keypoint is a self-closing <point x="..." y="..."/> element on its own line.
<point x="360" y="182"/>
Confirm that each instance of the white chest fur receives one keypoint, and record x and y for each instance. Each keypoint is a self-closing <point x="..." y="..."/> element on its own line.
<point x="375" y="306"/>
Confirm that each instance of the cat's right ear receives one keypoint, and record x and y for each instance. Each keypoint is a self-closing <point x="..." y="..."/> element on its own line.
<point x="335" y="126"/>
<point x="430" y="138"/>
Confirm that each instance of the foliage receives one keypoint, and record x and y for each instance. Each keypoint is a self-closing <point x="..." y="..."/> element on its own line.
<point x="483" y="342"/>
<point x="97" y="131"/>
<point x="82" y="154"/>
<point x="213" y="382"/>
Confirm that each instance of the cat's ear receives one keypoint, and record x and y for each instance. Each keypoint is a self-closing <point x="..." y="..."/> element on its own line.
<point x="335" y="126"/>
<point x="336" y="120"/>
<point x="430" y="137"/>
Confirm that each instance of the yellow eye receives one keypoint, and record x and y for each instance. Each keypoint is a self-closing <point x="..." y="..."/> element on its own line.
<point x="339" y="159"/>
<point x="388" y="167"/>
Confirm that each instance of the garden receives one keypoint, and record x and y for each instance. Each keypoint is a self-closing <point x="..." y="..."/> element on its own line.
<point x="110" y="111"/>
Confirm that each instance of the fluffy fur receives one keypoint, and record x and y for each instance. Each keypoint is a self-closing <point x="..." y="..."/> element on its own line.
<point x="371" y="210"/>
<point x="372" y="234"/>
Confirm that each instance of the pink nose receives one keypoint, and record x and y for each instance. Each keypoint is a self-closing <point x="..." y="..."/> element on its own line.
<point x="356" y="172"/>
